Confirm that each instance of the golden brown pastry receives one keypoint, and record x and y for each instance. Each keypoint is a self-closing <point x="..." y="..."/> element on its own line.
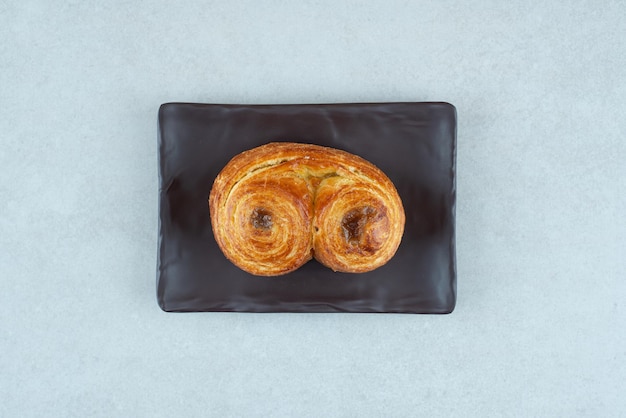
<point x="276" y="206"/>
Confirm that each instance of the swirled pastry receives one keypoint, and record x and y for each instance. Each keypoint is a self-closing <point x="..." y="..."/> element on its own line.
<point x="276" y="206"/>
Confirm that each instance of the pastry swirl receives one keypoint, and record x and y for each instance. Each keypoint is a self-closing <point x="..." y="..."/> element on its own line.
<point x="276" y="206"/>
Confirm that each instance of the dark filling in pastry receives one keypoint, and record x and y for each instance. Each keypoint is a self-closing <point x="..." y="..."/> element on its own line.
<point x="353" y="223"/>
<point x="261" y="218"/>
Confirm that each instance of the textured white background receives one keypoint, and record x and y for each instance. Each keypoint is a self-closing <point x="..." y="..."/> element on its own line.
<point x="539" y="328"/>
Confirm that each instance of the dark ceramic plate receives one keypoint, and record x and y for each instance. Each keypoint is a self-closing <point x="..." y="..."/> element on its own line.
<point x="413" y="143"/>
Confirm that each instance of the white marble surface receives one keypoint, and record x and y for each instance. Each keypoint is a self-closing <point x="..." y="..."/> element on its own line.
<point x="540" y="89"/>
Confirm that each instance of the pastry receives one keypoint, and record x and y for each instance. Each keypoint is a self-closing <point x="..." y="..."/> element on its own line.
<point x="276" y="206"/>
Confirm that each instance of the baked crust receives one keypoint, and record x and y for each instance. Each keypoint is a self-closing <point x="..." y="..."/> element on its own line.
<point x="276" y="206"/>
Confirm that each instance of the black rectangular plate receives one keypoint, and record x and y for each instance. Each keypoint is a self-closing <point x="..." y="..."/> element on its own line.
<point x="413" y="143"/>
